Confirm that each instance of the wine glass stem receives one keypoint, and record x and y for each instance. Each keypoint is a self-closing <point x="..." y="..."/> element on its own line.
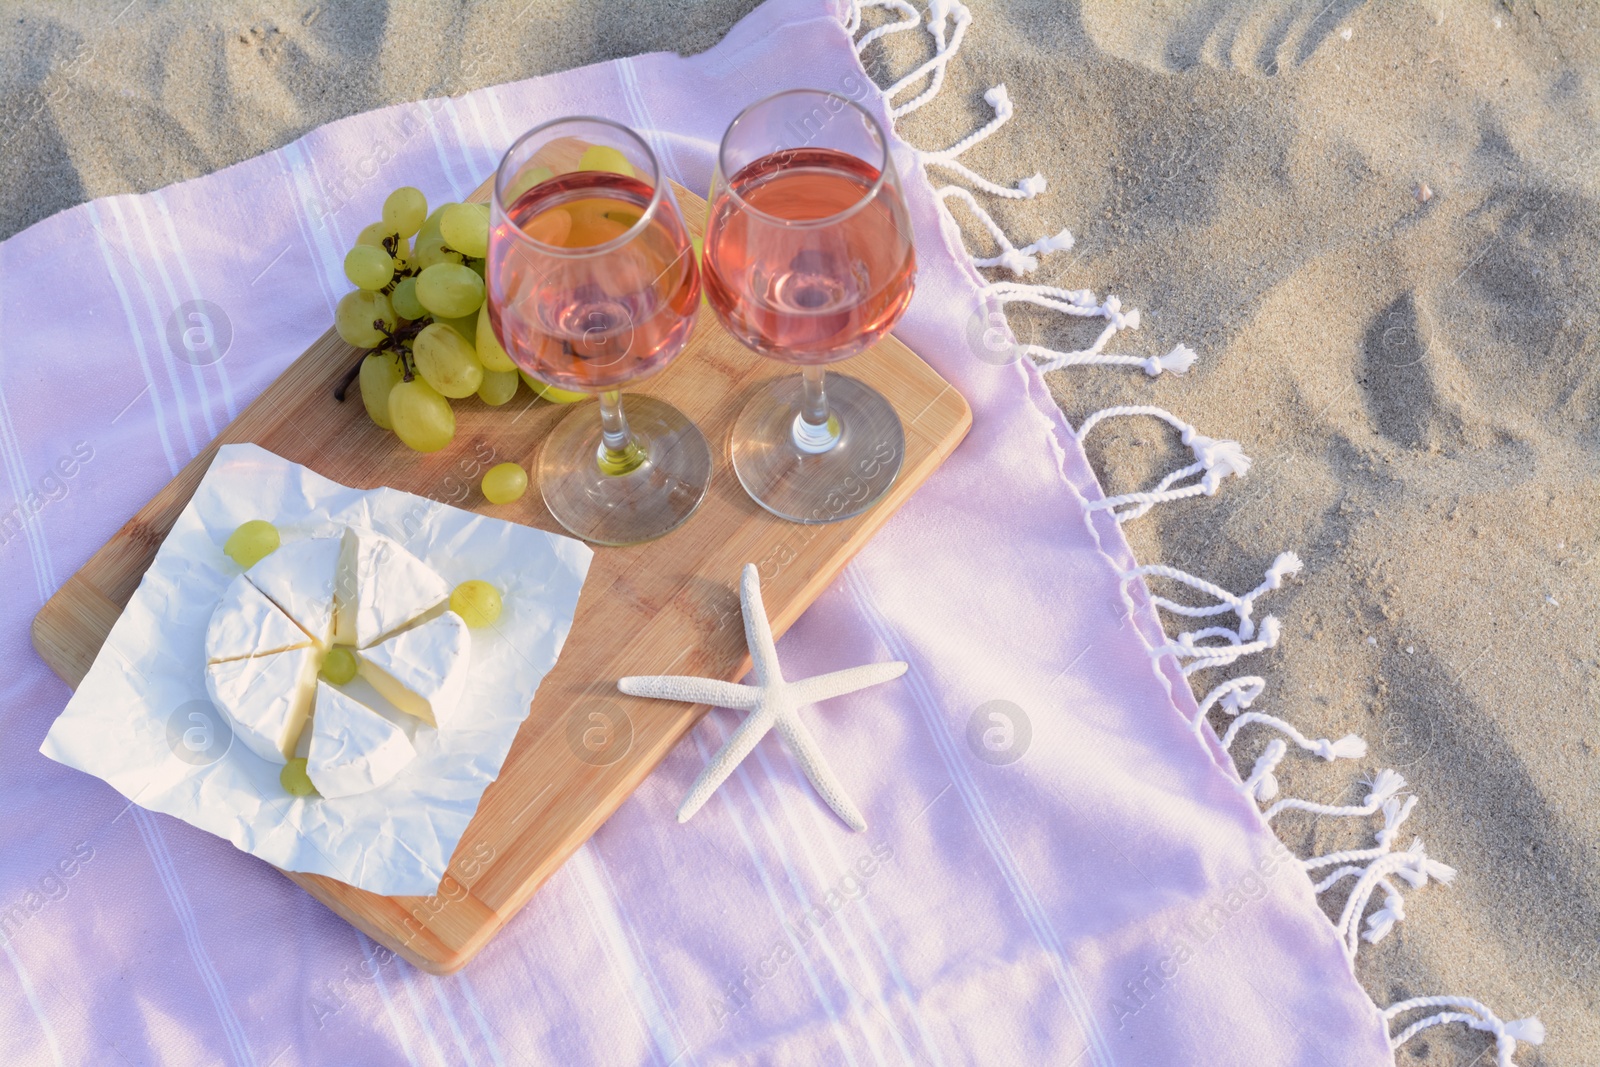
<point x="619" y="451"/>
<point x="815" y="429"/>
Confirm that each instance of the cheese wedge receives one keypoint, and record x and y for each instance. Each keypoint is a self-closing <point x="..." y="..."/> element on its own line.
<point x="246" y="623"/>
<point x="353" y="748"/>
<point x="267" y="698"/>
<point x="299" y="578"/>
<point x="423" y="670"/>
<point x="381" y="587"/>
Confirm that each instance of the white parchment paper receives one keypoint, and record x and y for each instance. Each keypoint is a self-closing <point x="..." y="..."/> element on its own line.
<point x="141" y="720"/>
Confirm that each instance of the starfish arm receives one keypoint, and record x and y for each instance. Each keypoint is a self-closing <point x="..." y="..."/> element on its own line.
<point x="692" y="690"/>
<point x="729" y="756"/>
<point x="816" y="769"/>
<point x="757" y="630"/>
<point x="827" y="686"/>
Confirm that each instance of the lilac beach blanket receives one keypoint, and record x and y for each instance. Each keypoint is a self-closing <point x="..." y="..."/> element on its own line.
<point x="1061" y="865"/>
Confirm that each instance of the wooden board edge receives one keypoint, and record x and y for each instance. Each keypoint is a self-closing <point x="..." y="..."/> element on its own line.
<point x="443" y="962"/>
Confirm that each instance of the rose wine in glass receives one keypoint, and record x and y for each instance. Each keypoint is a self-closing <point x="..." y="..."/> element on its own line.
<point x="592" y="284"/>
<point x="809" y="260"/>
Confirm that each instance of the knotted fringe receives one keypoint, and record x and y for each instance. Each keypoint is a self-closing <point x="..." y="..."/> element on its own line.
<point x="947" y="22"/>
<point x="1214" y="460"/>
<point x="1028" y="188"/>
<point x="945" y="47"/>
<point x="1016" y="260"/>
<point x="1082" y="303"/>
<point x="910" y="19"/>
<point x="1237" y="642"/>
<point x="1374" y="869"/>
<point x="1475" y="1015"/>
<point x="1347" y="747"/>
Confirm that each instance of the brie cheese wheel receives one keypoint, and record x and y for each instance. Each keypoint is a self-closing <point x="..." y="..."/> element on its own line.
<point x="299" y="578"/>
<point x="381" y="587"/>
<point x="246" y="623"/>
<point x="266" y="698"/>
<point x="353" y="748"/>
<point x="423" y="670"/>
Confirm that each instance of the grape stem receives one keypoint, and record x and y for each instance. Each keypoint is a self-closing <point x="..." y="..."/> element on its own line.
<point x="391" y="244"/>
<point x="398" y="341"/>
<point x="350" y="375"/>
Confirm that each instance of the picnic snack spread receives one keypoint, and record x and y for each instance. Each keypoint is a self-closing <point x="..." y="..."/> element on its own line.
<point x="315" y="614"/>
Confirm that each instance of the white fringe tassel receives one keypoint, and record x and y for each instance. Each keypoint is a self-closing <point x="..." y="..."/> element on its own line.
<point x="1413" y="866"/>
<point x="946" y="45"/>
<point x="1018" y="261"/>
<point x="1215" y="459"/>
<point x="1237" y="642"/>
<point x="1347" y="747"/>
<point x="1082" y="303"/>
<point x="1028" y="188"/>
<point x="1385" y="785"/>
<point x="1475" y="1015"/>
<point x="910" y="19"/>
<point x="1373" y="869"/>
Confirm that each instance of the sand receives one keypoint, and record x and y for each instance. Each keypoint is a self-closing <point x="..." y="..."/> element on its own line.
<point x="1379" y="227"/>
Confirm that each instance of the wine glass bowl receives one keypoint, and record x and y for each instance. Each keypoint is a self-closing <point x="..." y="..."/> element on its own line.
<point x="809" y="261"/>
<point x="592" y="284"/>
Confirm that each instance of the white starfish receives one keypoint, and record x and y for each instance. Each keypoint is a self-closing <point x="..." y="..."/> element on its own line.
<point x="772" y="702"/>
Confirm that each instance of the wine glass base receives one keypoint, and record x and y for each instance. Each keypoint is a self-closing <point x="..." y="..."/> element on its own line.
<point x="794" y="483"/>
<point x="625" y="509"/>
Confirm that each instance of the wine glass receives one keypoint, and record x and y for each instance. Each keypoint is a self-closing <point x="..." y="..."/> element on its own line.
<point x="809" y="260"/>
<point x="592" y="284"/>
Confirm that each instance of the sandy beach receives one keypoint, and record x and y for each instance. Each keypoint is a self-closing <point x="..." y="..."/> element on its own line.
<point x="1379" y="227"/>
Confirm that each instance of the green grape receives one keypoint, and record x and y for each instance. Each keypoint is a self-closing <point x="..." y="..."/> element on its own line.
<point x="402" y="253"/>
<point x="450" y="290"/>
<point x="562" y="396"/>
<point x="602" y="157"/>
<point x="294" y="779"/>
<point x="422" y="418"/>
<point x="525" y="182"/>
<point x="252" y="542"/>
<point x="380" y="372"/>
<point x="466" y="326"/>
<point x="355" y="314"/>
<point x="498" y="387"/>
<point x="340" y="666"/>
<point x="430" y="226"/>
<point x="404" y="300"/>
<point x="373" y="234"/>
<point x="368" y="267"/>
<point x="431" y="251"/>
<point x="551" y="393"/>
<point x="465" y="228"/>
<point x="477" y="602"/>
<point x="405" y="211"/>
<point x="490" y="352"/>
<point x="446" y="361"/>
<point x="504" y="483"/>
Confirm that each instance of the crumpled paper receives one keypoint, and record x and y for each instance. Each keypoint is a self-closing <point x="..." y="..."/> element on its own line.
<point x="141" y="719"/>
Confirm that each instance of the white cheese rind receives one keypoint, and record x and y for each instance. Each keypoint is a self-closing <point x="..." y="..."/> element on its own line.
<point x="299" y="578"/>
<point x="381" y="587"/>
<point x="353" y="748"/>
<point x="266" y="699"/>
<point x="246" y="623"/>
<point x="423" y="671"/>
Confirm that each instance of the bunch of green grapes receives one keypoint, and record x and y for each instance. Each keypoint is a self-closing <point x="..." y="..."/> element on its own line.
<point x="418" y="308"/>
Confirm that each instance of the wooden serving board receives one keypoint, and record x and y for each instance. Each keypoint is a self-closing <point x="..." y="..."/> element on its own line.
<point x="668" y="606"/>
